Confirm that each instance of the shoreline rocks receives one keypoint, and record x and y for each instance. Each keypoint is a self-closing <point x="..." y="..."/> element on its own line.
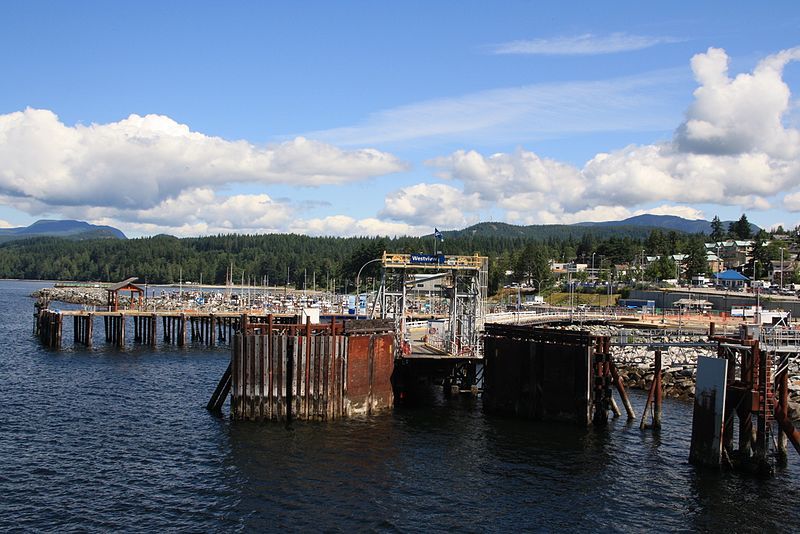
<point x="89" y="296"/>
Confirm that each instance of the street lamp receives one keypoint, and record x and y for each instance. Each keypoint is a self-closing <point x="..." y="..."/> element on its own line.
<point x="358" y="277"/>
<point x="594" y="274"/>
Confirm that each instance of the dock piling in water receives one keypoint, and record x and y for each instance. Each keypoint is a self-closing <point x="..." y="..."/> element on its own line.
<point x="283" y="371"/>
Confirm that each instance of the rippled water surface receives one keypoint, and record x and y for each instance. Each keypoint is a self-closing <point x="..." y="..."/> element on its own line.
<point x="100" y="440"/>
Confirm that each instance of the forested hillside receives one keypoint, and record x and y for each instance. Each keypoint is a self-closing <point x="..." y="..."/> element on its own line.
<point x="161" y="259"/>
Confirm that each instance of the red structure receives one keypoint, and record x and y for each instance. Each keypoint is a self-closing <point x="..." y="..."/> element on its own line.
<point x="757" y="397"/>
<point x="126" y="285"/>
<point x="282" y="369"/>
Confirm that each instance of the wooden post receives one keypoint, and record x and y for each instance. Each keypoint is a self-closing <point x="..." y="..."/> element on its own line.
<point x="182" y="330"/>
<point x="657" y="381"/>
<point x="121" y="341"/>
<point x="153" y="329"/>
<point x="237" y="348"/>
<point x="58" y="331"/>
<point x="89" y="329"/>
<point x="212" y="340"/>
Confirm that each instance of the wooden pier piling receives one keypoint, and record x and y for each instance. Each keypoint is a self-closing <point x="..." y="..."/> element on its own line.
<point x="177" y="327"/>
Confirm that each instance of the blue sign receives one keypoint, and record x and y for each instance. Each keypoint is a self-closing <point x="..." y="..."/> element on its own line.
<point x="428" y="259"/>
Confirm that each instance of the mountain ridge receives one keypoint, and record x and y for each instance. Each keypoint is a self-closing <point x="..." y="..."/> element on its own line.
<point x="638" y="226"/>
<point x="66" y="228"/>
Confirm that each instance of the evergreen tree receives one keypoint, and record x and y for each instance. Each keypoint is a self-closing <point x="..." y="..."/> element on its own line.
<point x="741" y="228"/>
<point x="761" y="256"/>
<point x="717" y="231"/>
<point x="696" y="263"/>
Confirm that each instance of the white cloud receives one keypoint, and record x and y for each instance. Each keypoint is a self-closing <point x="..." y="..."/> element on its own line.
<point x="195" y="212"/>
<point x="139" y="162"/>
<point x="742" y="114"/>
<point x="517" y="114"/>
<point x="431" y="205"/>
<point x="203" y="212"/>
<point x="792" y="201"/>
<point x="585" y="44"/>
<point x="508" y="178"/>
<point x="345" y="226"/>
<point x="732" y="149"/>
<point x="5" y="224"/>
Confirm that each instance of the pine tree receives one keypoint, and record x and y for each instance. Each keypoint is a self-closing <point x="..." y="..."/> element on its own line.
<point x="741" y="228"/>
<point x="717" y="230"/>
<point x="696" y="263"/>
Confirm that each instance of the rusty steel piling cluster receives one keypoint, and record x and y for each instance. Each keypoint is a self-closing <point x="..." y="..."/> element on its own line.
<point x="546" y="373"/>
<point x="282" y="370"/>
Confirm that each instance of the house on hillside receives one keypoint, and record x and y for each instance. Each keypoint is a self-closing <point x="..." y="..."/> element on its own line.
<point x="714" y="262"/>
<point x="731" y="279"/>
<point x="782" y="272"/>
<point x="733" y="253"/>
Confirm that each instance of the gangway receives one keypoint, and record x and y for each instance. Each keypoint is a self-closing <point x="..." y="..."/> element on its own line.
<point x="461" y="293"/>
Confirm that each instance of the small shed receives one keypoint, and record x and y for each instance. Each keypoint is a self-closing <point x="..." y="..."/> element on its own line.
<point x="731" y="279"/>
<point x="126" y="286"/>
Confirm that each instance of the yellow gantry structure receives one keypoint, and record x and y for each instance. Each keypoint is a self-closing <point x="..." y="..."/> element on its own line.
<point x="462" y="291"/>
<point x="433" y="261"/>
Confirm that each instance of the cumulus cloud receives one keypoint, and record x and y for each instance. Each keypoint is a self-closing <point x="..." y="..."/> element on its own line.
<point x="345" y="226"/>
<point x="140" y="162"/>
<point x="196" y="212"/>
<point x="431" y="204"/>
<point x="202" y="212"/>
<point x="585" y="44"/>
<point x="733" y="148"/>
<point x="732" y="116"/>
<point x="792" y="201"/>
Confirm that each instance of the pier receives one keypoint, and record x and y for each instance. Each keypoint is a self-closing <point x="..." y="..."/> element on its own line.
<point x="540" y="365"/>
<point x="150" y="328"/>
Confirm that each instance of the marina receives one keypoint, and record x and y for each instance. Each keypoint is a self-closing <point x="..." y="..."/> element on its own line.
<point x="159" y="456"/>
<point x="286" y="367"/>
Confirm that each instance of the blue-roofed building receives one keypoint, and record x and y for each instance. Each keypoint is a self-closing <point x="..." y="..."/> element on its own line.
<point x="731" y="279"/>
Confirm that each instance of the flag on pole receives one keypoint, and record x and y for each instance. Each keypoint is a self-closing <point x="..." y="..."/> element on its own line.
<point x="438" y="234"/>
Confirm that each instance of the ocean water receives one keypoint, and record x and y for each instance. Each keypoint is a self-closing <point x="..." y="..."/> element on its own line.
<point x="106" y="440"/>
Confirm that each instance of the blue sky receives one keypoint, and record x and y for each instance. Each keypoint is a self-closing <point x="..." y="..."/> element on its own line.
<point x="355" y="118"/>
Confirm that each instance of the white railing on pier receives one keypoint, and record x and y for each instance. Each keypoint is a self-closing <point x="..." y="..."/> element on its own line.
<point x="555" y="314"/>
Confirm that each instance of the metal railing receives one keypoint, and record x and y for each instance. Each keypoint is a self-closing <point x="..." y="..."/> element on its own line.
<point x="550" y="314"/>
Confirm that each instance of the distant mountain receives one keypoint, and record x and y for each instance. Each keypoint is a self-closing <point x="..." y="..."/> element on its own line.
<point x="638" y="227"/>
<point x="547" y="231"/>
<point x="666" y="222"/>
<point x="75" y="230"/>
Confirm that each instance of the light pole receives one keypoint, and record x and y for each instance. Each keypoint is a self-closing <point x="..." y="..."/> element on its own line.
<point x="641" y="266"/>
<point x="358" y="278"/>
<point x="594" y="274"/>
